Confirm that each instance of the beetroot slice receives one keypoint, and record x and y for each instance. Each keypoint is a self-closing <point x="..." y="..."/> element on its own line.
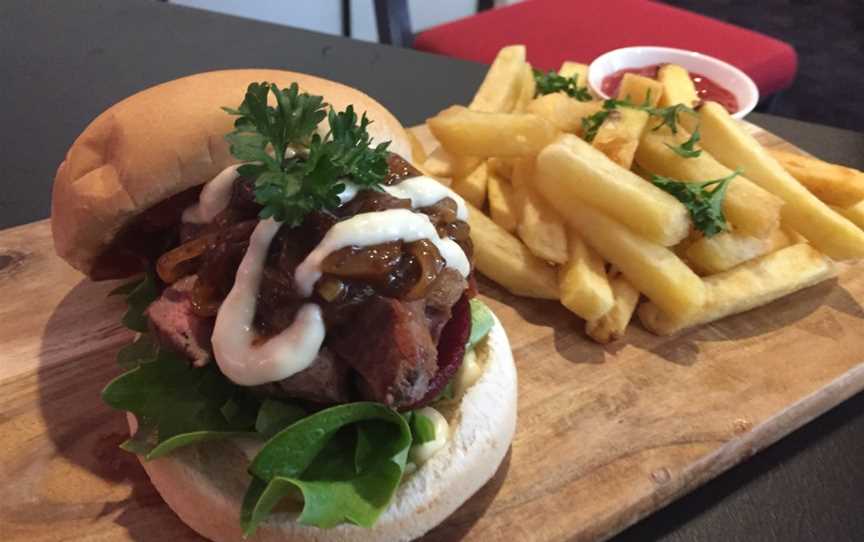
<point x="451" y="351"/>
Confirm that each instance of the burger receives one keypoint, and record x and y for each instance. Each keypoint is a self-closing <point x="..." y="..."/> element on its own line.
<point x="310" y="361"/>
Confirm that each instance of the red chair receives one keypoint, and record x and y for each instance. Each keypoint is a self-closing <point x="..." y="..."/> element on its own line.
<point x="580" y="30"/>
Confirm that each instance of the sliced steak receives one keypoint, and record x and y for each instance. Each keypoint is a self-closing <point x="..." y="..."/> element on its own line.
<point x="390" y="348"/>
<point x="326" y="381"/>
<point x="442" y="295"/>
<point x="175" y="324"/>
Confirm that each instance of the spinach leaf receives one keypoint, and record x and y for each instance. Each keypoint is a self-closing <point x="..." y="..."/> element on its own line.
<point x="347" y="462"/>
<point x="138" y="299"/>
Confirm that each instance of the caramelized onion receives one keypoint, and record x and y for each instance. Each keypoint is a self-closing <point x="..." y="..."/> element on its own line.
<point x="370" y="264"/>
<point x="183" y="260"/>
<point x="430" y="264"/>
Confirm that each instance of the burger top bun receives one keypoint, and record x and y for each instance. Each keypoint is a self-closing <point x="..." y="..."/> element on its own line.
<point x="164" y="140"/>
<point x="205" y="484"/>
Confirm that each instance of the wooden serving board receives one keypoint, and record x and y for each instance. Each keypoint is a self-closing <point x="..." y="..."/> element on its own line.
<point x="606" y="435"/>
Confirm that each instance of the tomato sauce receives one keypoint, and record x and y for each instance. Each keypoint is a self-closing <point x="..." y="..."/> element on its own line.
<point x="706" y="88"/>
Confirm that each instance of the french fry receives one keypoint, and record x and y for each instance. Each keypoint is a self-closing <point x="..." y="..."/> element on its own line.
<point x="571" y="169"/>
<point x="539" y="225"/>
<point x="678" y="88"/>
<point x="575" y="69"/>
<point x="465" y="132"/>
<point x="503" y="167"/>
<point x="527" y="89"/>
<point x="833" y="184"/>
<point x="653" y="269"/>
<point x="439" y="163"/>
<point x="418" y="152"/>
<point x="612" y="325"/>
<point x="745" y="287"/>
<point x="711" y="255"/>
<point x="854" y="213"/>
<point x="827" y="230"/>
<point x="750" y="209"/>
<point x="582" y="281"/>
<point x="472" y="186"/>
<point x="502" y="202"/>
<point x="619" y="135"/>
<point x="562" y="111"/>
<point x="504" y="259"/>
<point x="499" y="91"/>
<point x="639" y="89"/>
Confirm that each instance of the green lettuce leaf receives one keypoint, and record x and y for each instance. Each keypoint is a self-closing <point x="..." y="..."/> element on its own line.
<point x="481" y="322"/>
<point x="274" y="416"/>
<point x="346" y="461"/>
<point x="177" y="404"/>
<point x="139" y="295"/>
<point x="143" y="350"/>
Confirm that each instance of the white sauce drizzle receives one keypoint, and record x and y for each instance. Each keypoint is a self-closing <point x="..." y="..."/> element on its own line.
<point x="425" y="191"/>
<point x="368" y="229"/>
<point x="421" y="453"/>
<point x="289" y="352"/>
<point x="214" y="198"/>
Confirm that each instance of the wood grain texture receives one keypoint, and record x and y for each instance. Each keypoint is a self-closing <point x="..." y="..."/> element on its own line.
<point x="605" y="436"/>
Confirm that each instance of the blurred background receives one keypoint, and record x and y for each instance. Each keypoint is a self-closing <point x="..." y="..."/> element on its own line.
<point x="828" y="37"/>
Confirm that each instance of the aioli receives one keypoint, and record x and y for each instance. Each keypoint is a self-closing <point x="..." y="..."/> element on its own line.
<point x="214" y="198"/>
<point x="289" y="352"/>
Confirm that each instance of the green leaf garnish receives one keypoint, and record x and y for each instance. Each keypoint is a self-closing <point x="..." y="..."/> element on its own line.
<point x="704" y="203"/>
<point x="143" y="350"/>
<point x="177" y="404"/>
<point x="318" y="456"/>
<point x="686" y="149"/>
<point x="422" y="428"/>
<point x="139" y="295"/>
<point x="274" y="416"/>
<point x="290" y="188"/>
<point x="669" y="115"/>
<point x="550" y="82"/>
<point x="481" y="322"/>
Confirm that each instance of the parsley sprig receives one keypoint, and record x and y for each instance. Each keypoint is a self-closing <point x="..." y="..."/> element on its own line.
<point x="550" y="82"/>
<point x="687" y="149"/>
<point x="290" y="186"/>
<point x="703" y="200"/>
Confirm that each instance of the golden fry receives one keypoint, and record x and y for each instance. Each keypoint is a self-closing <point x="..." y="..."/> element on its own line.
<point x="465" y="132"/>
<point x="527" y="89"/>
<point x="499" y="91"/>
<point x="854" y="213"/>
<point x="504" y="259"/>
<point x="612" y="325"/>
<point x="571" y="169"/>
<point x="833" y="184"/>
<point x="472" y="187"/>
<point x="575" y="69"/>
<point x="619" y="135"/>
<point x="582" y="280"/>
<point x="502" y="202"/>
<point x="726" y="250"/>
<point x="828" y="231"/>
<point x="562" y="111"/>
<point x="653" y="269"/>
<point x="745" y="287"/>
<point x="678" y="88"/>
<point x="638" y="89"/>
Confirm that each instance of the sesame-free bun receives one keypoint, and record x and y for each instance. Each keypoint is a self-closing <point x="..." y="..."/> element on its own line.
<point x="204" y="484"/>
<point x="164" y="140"/>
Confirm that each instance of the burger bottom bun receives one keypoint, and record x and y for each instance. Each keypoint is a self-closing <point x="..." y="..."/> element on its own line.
<point x="204" y="485"/>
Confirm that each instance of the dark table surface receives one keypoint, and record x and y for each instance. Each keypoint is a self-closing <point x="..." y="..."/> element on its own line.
<point x="64" y="62"/>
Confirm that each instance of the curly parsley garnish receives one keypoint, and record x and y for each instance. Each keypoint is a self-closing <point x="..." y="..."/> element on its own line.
<point x="591" y="123"/>
<point x="550" y="82"/>
<point x="703" y="200"/>
<point x="686" y="149"/>
<point x="290" y="186"/>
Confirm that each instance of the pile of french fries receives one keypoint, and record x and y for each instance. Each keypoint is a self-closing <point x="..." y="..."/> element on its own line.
<point x="557" y="217"/>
